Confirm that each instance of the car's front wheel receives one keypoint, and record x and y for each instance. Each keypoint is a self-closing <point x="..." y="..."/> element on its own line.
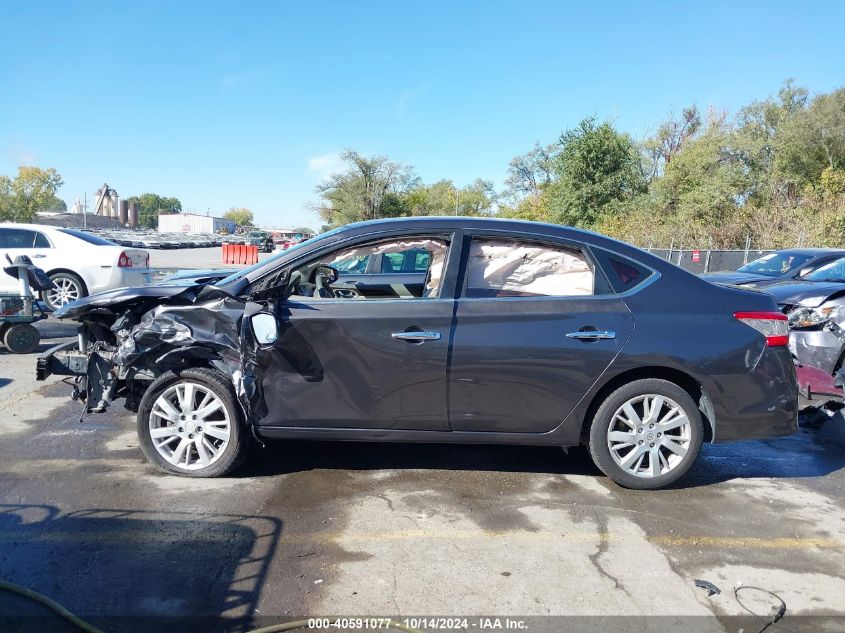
<point x="646" y="434"/>
<point x="67" y="287"/>
<point x="189" y="423"/>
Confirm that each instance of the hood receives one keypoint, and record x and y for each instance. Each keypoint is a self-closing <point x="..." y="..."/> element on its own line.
<point x="119" y="299"/>
<point x="191" y="277"/>
<point x="806" y="293"/>
<point x="733" y="277"/>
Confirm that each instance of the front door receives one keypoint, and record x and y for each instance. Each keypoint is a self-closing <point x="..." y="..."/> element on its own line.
<point x="370" y="363"/>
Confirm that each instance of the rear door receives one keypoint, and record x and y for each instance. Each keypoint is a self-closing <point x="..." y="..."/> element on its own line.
<point x="536" y="326"/>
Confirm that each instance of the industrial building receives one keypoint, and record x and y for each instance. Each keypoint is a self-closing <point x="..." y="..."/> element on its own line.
<point x="193" y="223"/>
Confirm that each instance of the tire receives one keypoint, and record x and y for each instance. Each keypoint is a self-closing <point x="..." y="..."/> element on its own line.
<point x="69" y="288"/>
<point x="190" y="437"/>
<point x="21" y="338"/>
<point x="619" y="455"/>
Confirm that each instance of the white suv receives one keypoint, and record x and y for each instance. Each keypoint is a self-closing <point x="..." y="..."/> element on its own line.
<point x="79" y="263"/>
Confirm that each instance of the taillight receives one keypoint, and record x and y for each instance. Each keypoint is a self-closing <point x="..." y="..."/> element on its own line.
<point x="772" y="325"/>
<point x="124" y="261"/>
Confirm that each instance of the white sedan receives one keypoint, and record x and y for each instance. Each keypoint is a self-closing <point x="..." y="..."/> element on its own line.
<point x="79" y="263"/>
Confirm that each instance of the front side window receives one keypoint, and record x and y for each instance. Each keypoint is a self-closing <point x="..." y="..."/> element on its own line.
<point x="17" y="238"/>
<point x="507" y="268"/>
<point x="397" y="257"/>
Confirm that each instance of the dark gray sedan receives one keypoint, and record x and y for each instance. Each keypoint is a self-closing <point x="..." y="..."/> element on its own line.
<point x="521" y="333"/>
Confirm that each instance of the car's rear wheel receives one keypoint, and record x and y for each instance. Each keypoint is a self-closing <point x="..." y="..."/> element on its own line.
<point x="646" y="434"/>
<point x="68" y="287"/>
<point x="189" y="423"/>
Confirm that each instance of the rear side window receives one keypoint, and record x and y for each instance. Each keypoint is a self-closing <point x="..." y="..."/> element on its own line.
<point x="508" y="268"/>
<point x="622" y="273"/>
<point x="87" y="237"/>
<point x="17" y="238"/>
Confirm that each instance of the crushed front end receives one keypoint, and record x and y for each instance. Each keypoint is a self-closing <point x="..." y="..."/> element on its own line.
<point x="130" y="336"/>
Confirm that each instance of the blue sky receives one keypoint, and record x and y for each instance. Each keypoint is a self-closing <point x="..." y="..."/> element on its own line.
<point x="248" y="103"/>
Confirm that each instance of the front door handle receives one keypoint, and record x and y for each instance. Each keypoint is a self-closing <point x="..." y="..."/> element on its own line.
<point x="416" y="336"/>
<point x="591" y="335"/>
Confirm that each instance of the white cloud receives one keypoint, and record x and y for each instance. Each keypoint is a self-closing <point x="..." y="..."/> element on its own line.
<point x="325" y="165"/>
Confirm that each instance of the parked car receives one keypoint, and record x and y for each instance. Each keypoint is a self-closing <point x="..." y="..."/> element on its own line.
<point x="524" y="333"/>
<point x="775" y="267"/>
<point x="814" y="305"/>
<point x="79" y="263"/>
<point x="262" y="239"/>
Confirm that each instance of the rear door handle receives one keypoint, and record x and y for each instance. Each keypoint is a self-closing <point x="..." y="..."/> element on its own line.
<point x="591" y="335"/>
<point x="416" y="336"/>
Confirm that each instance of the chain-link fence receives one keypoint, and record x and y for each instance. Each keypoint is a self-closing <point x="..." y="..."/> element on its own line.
<point x="707" y="260"/>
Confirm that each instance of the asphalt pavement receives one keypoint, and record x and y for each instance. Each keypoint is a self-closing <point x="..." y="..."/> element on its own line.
<point x="308" y="529"/>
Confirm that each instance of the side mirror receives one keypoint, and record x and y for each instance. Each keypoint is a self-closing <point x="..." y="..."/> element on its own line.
<point x="264" y="328"/>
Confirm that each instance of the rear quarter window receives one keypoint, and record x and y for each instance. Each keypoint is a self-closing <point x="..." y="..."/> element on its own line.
<point x="622" y="273"/>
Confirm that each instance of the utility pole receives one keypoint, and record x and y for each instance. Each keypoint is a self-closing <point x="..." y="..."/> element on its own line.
<point x="85" y="211"/>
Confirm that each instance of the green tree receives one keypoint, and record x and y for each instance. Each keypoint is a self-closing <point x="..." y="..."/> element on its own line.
<point x="596" y="168"/>
<point x="240" y="216"/>
<point x="32" y="190"/>
<point x="369" y="188"/>
<point x="151" y="205"/>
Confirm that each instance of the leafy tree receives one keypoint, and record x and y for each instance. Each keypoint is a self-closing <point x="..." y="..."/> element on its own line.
<point x="151" y="205"/>
<point x="369" y="188"/>
<point x="240" y="216"/>
<point x="812" y="141"/>
<point x="596" y="167"/>
<point x="32" y="190"/>
<point x="671" y="136"/>
<point x="530" y="173"/>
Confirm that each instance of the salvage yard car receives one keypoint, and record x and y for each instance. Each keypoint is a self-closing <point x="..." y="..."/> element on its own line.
<point x="523" y="333"/>
<point x="775" y="267"/>
<point x="79" y="263"/>
<point x="815" y="306"/>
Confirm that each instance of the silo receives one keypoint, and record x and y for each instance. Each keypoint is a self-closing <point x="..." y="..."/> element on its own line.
<point x="133" y="215"/>
<point x="124" y="212"/>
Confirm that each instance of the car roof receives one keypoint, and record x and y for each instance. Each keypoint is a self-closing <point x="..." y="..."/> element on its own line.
<point x="31" y="227"/>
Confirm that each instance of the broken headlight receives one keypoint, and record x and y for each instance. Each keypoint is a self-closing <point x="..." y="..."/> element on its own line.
<point x="811" y="317"/>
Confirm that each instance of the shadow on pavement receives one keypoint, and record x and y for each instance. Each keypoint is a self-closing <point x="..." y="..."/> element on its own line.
<point x="288" y="456"/>
<point x="796" y="456"/>
<point x="135" y="571"/>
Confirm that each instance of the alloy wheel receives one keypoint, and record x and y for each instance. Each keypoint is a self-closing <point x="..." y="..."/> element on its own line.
<point x="649" y="435"/>
<point x="65" y="291"/>
<point x="189" y="426"/>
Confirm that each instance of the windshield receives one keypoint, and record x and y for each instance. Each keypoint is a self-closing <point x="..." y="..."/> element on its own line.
<point x="774" y="264"/>
<point x="834" y="271"/>
<point x="295" y="247"/>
